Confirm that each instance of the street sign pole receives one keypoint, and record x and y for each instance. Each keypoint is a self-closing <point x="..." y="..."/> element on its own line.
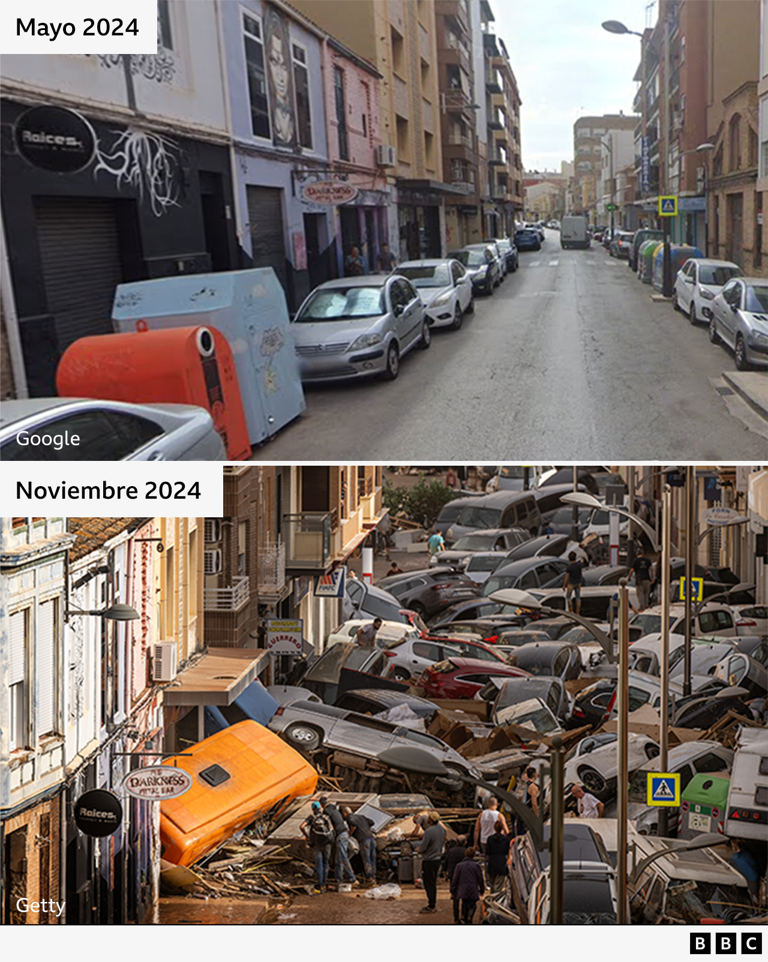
<point x="666" y="552"/>
<point x="557" y="830"/>
<point x="623" y="745"/>
<point x="667" y="281"/>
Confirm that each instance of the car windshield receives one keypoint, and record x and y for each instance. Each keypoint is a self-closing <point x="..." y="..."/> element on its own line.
<point x="476" y="516"/>
<point x="638" y="784"/>
<point x="540" y="720"/>
<point x="469" y="258"/>
<point x="718" y="276"/>
<point x="474" y="542"/>
<point x="434" y="275"/>
<point x="340" y="304"/>
<point x="757" y="298"/>
<point x="482" y="562"/>
<point x="649" y="623"/>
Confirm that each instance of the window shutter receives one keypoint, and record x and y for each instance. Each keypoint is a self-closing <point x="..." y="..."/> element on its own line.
<point x="18" y="640"/>
<point x="46" y="667"/>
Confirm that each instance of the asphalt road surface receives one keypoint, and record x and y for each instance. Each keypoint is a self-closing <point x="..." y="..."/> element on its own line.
<point x="568" y="360"/>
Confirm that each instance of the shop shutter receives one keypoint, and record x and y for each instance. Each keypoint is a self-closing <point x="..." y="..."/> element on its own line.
<point x="80" y="254"/>
<point x="46" y="667"/>
<point x="265" y="215"/>
<point x="18" y="646"/>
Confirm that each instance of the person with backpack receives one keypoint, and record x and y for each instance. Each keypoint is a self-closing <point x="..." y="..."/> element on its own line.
<point x="317" y="829"/>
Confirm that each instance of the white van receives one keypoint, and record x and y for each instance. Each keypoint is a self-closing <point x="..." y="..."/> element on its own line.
<point x="574" y="233"/>
<point x="748" y="794"/>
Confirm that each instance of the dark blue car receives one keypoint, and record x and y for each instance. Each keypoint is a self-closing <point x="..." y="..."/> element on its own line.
<point x="527" y="239"/>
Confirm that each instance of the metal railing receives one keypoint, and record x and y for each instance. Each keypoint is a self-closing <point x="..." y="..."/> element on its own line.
<point x="271" y="577"/>
<point x="308" y="539"/>
<point x="232" y="598"/>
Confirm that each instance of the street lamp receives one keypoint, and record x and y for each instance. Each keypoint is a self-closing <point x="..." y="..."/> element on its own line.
<point x="514" y="596"/>
<point x="418" y="761"/>
<point x="113" y="613"/>
<point x="703" y="841"/>
<point x="590" y="501"/>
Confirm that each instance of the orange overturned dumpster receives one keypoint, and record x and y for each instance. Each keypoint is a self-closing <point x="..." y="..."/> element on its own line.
<point x="239" y="774"/>
<point x="183" y="365"/>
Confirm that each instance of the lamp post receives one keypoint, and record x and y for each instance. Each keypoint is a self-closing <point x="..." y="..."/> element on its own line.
<point x="589" y="501"/>
<point x="418" y="761"/>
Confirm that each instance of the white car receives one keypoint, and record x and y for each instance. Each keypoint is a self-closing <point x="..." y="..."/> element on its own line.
<point x="713" y="618"/>
<point x="389" y="631"/>
<point x="599" y="524"/>
<point x="697" y="283"/>
<point x="534" y="714"/>
<point x="593" y="761"/>
<point x="445" y="289"/>
<point x="411" y="655"/>
<point x="751" y="619"/>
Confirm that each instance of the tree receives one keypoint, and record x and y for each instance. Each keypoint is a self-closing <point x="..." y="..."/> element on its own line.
<point x="422" y="504"/>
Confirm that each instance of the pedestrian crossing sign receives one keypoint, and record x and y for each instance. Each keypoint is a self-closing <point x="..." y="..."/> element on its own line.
<point x="668" y="206"/>
<point x="663" y="789"/>
<point x="697" y="589"/>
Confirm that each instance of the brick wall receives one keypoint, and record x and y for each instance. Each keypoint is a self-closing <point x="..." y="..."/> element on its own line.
<point x="31" y="863"/>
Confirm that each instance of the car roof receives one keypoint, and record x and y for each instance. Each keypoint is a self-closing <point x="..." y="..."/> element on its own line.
<point x="713" y="262"/>
<point x="524" y="564"/>
<point x="365" y="280"/>
<point x="492" y="667"/>
<point x="18" y="409"/>
<point x="426" y="262"/>
<point x="390" y="698"/>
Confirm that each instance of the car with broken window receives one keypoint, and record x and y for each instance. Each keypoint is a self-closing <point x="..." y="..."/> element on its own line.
<point x="462" y="677"/>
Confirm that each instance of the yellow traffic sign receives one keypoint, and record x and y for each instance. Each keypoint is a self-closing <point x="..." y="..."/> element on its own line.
<point x="697" y="589"/>
<point x="663" y="789"/>
<point x="668" y="206"/>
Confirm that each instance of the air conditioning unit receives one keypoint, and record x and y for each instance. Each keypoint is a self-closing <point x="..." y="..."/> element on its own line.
<point x="212" y="561"/>
<point x="386" y="155"/>
<point x="164" y="661"/>
<point x="212" y="530"/>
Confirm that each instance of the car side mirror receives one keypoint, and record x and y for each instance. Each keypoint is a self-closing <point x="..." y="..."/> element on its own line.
<point x="397" y="310"/>
<point x="734" y="308"/>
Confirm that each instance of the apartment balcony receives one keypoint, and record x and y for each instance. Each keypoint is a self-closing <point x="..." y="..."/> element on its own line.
<point x="271" y="573"/>
<point x="497" y="120"/>
<point x="308" y="542"/>
<point x="455" y="11"/>
<point x="460" y="150"/>
<point x="493" y="82"/>
<point x="501" y="136"/>
<point x="232" y="598"/>
<point x="497" y="160"/>
<point x="500" y="193"/>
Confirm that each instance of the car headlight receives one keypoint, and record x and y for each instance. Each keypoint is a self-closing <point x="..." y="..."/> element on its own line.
<point x="365" y="340"/>
<point x="762" y="338"/>
<point x="442" y="299"/>
<point x="707" y="295"/>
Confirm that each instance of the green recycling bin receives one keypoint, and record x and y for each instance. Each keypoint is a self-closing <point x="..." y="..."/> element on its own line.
<point x="703" y="804"/>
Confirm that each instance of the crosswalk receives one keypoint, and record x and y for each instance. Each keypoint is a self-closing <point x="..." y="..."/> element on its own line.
<point x="589" y="261"/>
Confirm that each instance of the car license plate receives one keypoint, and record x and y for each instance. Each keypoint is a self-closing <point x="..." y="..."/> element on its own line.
<point x="699" y="821"/>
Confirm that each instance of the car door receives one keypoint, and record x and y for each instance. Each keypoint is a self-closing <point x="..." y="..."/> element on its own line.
<point x="463" y="285"/>
<point x="552" y="574"/>
<point x="686" y="285"/>
<point x="426" y="653"/>
<point x="732" y="295"/>
<point x="413" y="313"/>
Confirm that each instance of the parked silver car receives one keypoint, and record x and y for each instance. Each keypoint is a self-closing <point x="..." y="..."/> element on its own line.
<point x="85" y="429"/>
<point x="309" y="726"/>
<point x="356" y="327"/>
<point x="445" y="289"/>
<point x="739" y="317"/>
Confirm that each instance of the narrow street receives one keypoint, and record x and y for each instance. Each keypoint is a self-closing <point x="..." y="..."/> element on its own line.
<point x="569" y="358"/>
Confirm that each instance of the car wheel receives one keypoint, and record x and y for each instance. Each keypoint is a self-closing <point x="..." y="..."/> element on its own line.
<point x="426" y="336"/>
<point x="400" y="674"/>
<point x="303" y="737"/>
<point x="740" y="354"/>
<point x="713" y="335"/>
<point x="593" y="781"/>
<point x="458" y="317"/>
<point x="675" y="302"/>
<point x="393" y="362"/>
<point x="471" y="306"/>
<point x="693" y="317"/>
<point x="651" y="751"/>
<point x="419" y="609"/>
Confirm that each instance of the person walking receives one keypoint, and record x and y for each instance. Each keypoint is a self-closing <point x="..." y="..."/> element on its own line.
<point x="317" y="829"/>
<point x="486" y="821"/>
<point x="468" y="885"/>
<point x="436" y="543"/>
<point x="360" y="829"/>
<point x="342" y="868"/>
<point x="530" y="796"/>
<point x="574" y="579"/>
<point x="454" y="853"/>
<point x="366" y="635"/>
<point x="496" y="853"/>
<point x="643" y="569"/>
<point x="431" y="850"/>
<point x="589" y="806"/>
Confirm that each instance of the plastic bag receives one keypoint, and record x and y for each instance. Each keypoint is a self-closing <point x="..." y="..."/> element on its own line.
<point x="353" y="847"/>
<point x="390" y="891"/>
<point x="396" y="835"/>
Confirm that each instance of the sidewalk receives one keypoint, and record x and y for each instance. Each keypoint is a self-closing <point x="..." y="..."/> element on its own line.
<point x="752" y="386"/>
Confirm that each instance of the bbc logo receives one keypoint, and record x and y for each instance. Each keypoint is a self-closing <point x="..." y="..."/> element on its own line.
<point x="725" y="943"/>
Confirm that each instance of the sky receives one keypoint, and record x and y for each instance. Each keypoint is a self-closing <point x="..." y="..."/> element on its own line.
<point x="566" y="66"/>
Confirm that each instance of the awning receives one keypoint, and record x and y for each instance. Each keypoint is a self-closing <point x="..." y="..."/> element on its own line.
<point x="436" y="186"/>
<point x="217" y="678"/>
